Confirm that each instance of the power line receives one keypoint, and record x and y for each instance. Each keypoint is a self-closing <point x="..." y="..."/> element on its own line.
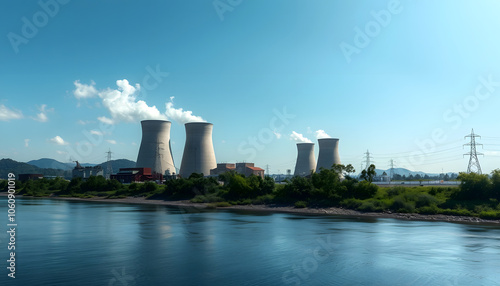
<point x="473" y="161"/>
<point x="109" y="169"/>
<point x="368" y="159"/>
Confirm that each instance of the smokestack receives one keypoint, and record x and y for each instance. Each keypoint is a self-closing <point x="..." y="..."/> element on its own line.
<point x="328" y="153"/>
<point x="199" y="156"/>
<point x="155" y="152"/>
<point x="305" y="159"/>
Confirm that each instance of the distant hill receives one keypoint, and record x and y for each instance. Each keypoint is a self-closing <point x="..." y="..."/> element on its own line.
<point x="54" y="164"/>
<point x="10" y="166"/>
<point x="51" y="167"/>
<point x="117" y="164"/>
<point x="51" y="163"/>
<point x="406" y="172"/>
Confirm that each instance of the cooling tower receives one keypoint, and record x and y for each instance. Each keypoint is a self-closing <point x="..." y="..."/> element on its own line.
<point x="155" y="152"/>
<point x="305" y="159"/>
<point x="199" y="156"/>
<point x="328" y="153"/>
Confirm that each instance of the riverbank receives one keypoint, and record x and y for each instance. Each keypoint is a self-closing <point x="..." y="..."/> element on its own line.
<point x="286" y="209"/>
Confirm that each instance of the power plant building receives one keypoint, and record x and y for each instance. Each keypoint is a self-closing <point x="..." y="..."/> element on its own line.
<point x="130" y="175"/>
<point x="305" y="159"/>
<point x="155" y="151"/>
<point x="246" y="169"/>
<point x="328" y="153"/>
<point x="85" y="172"/>
<point x="199" y="155"/>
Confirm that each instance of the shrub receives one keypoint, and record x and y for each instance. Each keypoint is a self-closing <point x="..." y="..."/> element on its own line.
<point x="222" y="204"/>
<point x="425" y="200"/>
<point x="351" y="203"/>
<point x="395" y="191"/>
<point x="365" y="190"/>
<point x="433" y="209"/>
<point x="300" y="204"/>
<point x="400" y="205"/>
<point x="490" y="215"/>
<point x="367" y="206"/>
<point x="262" y="200"/>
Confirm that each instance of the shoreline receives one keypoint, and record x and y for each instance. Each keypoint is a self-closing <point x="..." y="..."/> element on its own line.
<point x="331" y="211"/>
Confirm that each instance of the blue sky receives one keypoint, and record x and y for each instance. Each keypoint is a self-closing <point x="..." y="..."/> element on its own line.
<point x="416" y="78"/>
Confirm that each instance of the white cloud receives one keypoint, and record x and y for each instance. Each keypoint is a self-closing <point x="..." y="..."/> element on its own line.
<point x="81" y="122"/>
<point x="111" y="141"/>
<point x="106" y="120"/>
<point x="84" y="90"/>
<point x="7" y="114"/>
<point x="277" y="134"/>
<point x="58" y="140"/>
<point x="61" y="152"/>
<point x="42" y="116"/>
<point x="95" y="132"/>
<point x="297" y="137"/>
<point x="134" y="144"/>
<point x="321" y="134"/>
<point x="27" y="142"/>
<point x="179" y="115"/>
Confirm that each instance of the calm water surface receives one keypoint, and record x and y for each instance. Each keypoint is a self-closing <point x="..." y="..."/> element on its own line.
<point x="81" y="243"/>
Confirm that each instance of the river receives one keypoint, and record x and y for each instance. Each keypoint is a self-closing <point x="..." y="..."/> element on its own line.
<point x="60" y="242"/>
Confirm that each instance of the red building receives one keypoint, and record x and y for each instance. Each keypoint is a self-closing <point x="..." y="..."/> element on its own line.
<point x="130" y="175"/>
<point x="246" y="169"/>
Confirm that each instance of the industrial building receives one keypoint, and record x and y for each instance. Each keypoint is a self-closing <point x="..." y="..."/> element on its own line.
<point x="130" y="175"/>
<point x="85" y="172"/>
<point x="25" y="177"/>
<point x="246" y="169"/>
<point x="223" y="168"/>
<point x="305" y="159"/>
<point x="155" y="152"/>
<point x="328" y="153"/>
<point x="199" y="155"/>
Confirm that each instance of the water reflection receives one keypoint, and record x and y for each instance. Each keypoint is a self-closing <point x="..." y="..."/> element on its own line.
<point x="90" y="243"/>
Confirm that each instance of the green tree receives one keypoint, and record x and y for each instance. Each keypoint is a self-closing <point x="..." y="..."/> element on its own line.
<point x="474" y="186"/>
<point x="368" y="174"/>
<point x="495" y="182"/>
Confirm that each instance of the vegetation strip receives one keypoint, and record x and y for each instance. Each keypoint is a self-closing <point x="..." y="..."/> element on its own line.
<point x="476" y="196"/>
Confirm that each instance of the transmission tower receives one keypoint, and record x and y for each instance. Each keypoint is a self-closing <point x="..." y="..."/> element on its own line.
<point x="368" y="159"/>
<point x="391" y="172"/>
<point x="474" y="166"/>
<point x="109" y="169"/>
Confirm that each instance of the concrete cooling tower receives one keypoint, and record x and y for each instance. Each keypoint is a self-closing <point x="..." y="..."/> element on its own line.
<point x="199" y="156"/>
<point x="155" y="152"/>
<point x="328" y="153"/>
<point x="305" y="159"/>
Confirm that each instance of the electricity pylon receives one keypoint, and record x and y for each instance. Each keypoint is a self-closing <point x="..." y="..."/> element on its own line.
<point x="474" y="166"/>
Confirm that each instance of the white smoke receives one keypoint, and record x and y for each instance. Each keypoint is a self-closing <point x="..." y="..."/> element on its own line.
<point x="297" y="137"/>
<point x="179" y="115"/>
<point x="321" y="134"/>
<point x="123" y="105"/>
